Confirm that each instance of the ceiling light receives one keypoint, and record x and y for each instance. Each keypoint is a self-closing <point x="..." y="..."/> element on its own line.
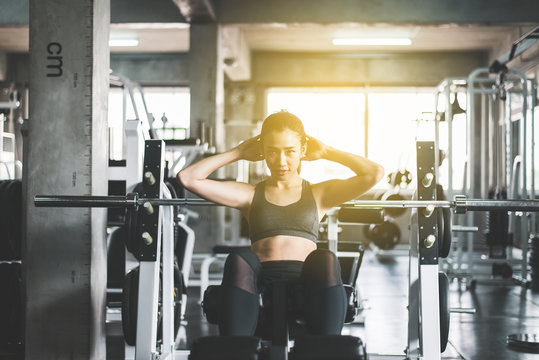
<point x="373" y="41"/>
<point x="123" y="42"/>
<point x="149" y="26"/>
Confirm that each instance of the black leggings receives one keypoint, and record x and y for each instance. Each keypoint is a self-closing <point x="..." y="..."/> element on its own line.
<point x="245" y="277"/>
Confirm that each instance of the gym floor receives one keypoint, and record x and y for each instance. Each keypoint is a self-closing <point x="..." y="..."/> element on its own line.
<point x="500" y="310"/>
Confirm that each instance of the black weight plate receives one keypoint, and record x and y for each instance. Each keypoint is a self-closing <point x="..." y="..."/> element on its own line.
<point x="171" y="189"/>
<point x="131" y="226"/>
<point x="374" y="234"/>
<point x="440" y="195"/>
<point x="5" y="247"/>
<point x="440" y="229"/>
<point x="447" y="234"/>
<point x="526" y="342"/>
<point x="386" y="235"/>
<point x="367" y="231"/>
<point x="395" y="212"/>
<point x="13" y="211"/>
<point x="116" y="258"/>
<point x="443" y="283"/>
<point x="129" y="306"/>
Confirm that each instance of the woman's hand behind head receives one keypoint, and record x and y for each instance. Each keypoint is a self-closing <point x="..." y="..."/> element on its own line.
<point x="316" y="149"/>
<point x="251" y="149"/>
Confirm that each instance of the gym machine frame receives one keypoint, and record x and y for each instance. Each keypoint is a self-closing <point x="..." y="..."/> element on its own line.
<point x="424" y="330"/>
<point x="424" y="320"/>
<point x="508" y="82"/>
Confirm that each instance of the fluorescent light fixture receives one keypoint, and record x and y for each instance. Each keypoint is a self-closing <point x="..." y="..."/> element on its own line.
<point x="373" y="41"/>
<point x="123" y="42"/>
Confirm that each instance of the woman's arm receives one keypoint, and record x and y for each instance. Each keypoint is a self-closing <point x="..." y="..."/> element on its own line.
<point x="334" y="192"/>
<point x="229" y="193"/>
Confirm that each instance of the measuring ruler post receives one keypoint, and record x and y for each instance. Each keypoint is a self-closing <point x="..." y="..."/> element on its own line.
<point x="64" y="254"/>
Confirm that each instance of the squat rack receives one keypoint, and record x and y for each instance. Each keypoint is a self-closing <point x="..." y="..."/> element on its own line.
<point x="424" y="341"/>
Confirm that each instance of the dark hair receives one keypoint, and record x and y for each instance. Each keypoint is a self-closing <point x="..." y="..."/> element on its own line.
<point x="283" y="120"/>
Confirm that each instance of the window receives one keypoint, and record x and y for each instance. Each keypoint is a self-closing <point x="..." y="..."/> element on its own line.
<point x="395" y="123"/>
<point x="337" y="117"/>
<point x="170" y="107"/>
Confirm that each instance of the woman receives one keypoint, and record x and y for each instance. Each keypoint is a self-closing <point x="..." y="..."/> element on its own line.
<point x="283" y="213"/>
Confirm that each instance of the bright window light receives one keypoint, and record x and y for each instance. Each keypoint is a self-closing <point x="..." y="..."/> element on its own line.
<point x="335" y="117"/>
<point x="123" y="42"/>
<point x="372" y="41"/>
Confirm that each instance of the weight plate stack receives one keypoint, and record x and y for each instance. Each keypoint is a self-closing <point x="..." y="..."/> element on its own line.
<point x="130" y="305"/>
<point x="116" y="260"/>
<point x="445" y="230"/>
<point x="446" y="233"/>
<point x="444" y="309"/>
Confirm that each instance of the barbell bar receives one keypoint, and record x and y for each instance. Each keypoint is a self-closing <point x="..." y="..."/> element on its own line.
<point x="461" y="203"/>
<point x="128" y="201"/>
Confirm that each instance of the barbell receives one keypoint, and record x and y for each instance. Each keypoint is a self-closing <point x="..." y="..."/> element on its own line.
<point x="461" y="204"/>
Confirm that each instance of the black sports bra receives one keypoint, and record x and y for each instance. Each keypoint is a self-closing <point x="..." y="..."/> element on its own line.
<point x="297" y="219"/>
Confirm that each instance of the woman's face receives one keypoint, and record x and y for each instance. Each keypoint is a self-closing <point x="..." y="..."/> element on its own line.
<point x="283" y="152"/>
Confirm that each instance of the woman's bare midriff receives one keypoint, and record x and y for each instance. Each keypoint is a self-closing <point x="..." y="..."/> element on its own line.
<point x="283" y="247"/>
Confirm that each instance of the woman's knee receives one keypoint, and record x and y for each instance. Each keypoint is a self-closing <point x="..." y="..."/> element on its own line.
<point x="322" y="265"/>
<point x="242" y="269"/>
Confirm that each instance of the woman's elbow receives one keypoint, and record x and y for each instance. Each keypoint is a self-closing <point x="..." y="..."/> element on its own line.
<point x="379" y="173"/>
<point x="184" y="178"/>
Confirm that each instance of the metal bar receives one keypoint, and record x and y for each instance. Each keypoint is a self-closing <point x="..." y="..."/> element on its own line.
<point x="462" y="310"/>
<point x="524" y="230"/>
<point x="472" y="92"/>
<point x="112" y="201"/>
<point x="492" y="79"/>
<point x="449" y="154"/>
<point x="82" y="201"/>
<point x="176" y="202"/>
<point x="132" y="201"/>
<point x="461" y="228"/>
<point x="468" y="204"/>
<point x="519" y="46"/>
<point x="383" y="204"/>
<point x="533" y="99"/>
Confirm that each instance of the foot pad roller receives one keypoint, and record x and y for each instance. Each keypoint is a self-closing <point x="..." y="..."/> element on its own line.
<point x="334" y="347"/>
<point x="226" y="348"/>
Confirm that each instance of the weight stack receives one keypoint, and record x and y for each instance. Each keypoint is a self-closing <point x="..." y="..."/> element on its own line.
<point x="534" y="263"/>
<point x="496" y="233"/>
